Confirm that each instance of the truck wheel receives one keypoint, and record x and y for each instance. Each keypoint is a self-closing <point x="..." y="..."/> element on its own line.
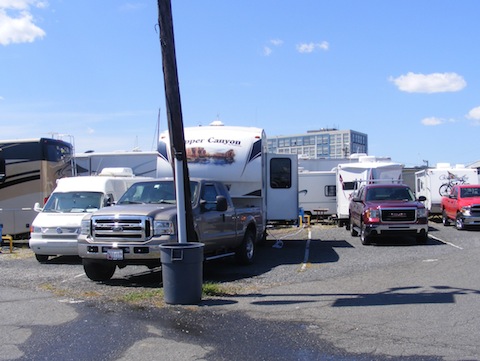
<point x="459" y="224"/>
<point x="353" y="231"/>
<point x="423" y="239"/>
<point x="98" y="271"/>
<point x="41" y="258"/>
<point x="366" y="240"/>
<point x="445" y="220"/>
<point x="246" y="251"/>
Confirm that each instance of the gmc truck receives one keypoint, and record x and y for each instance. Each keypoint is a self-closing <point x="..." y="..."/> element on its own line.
<point x="131" y="232"/>
<point x="462" y="206"/>
<point x="387" y="210"/>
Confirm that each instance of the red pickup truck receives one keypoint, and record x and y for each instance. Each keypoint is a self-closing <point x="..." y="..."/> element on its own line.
<point x="462" y="206"/>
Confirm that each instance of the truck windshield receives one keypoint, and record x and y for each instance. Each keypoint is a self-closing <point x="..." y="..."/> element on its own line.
<point x="73" y="202"/>
<point x="390" y="193"/>
<point x="154" y="192"/>
<point x="469" y="192"/>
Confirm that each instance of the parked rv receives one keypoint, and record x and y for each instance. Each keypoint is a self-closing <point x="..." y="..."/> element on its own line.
<point x="31" y="168"/>
<point x="434" y="183"/>
<point x="141" y="163"/>
<point x="317" y="192"/>
<point x="230" y="160"/>
<point x="368" y="170"/>
<point x="56" y="227"/>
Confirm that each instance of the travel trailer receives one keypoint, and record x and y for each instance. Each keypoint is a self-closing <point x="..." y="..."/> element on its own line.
<point x="237" y="156"/>
<point x="55" y="229"/>
<point x="433" y="183"/>
<point x="31" y="169"/>
<point x="317" y="191"/>
<point x="368" y="170"/>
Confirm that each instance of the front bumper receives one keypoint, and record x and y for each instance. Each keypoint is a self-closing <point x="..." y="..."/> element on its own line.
<point x="396" y="230"/>
<point x="53" y="246"/>
<point x="125" y="252"/>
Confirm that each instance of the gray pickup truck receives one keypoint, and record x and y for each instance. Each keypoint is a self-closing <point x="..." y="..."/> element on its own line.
<point x="131" y="232"/>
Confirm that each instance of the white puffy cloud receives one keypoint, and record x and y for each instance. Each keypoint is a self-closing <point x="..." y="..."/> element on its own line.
<point x="432" y="121"/>
<point x="17" y="23"/>
<point x="429" y="83"/>
<point x="474" y="114"/>
<point x="267" y="50"/>
<point x="311" y="47"/>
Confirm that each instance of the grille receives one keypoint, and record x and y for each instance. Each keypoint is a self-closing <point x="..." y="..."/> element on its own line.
<point x="127" y="228"/>
<point x="400" y="215"/>
<point x="475" y="210"/>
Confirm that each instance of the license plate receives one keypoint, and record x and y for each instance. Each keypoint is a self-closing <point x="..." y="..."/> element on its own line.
<point x="115" y="254"/>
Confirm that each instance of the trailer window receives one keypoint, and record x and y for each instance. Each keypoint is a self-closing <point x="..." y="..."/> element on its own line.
<point x="330" y="191"/>
<point x="280" y="173"/>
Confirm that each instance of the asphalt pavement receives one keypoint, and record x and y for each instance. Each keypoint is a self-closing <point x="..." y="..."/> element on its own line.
<point x="313" y="294"/>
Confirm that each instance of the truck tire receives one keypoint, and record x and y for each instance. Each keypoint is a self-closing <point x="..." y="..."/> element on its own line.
<point x="246" y="251"/>
<point x="366" y="240"/>
<point x="353" y="231"/>
<point x="445" y="220"/>
<point x="98" y="271"/>
<point x="41" y="258"/>
<point x="459" y="223"/>
<point x="422" y="239"/>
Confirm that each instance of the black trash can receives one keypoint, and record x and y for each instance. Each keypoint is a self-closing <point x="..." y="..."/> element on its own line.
<point x="182" y="272"/>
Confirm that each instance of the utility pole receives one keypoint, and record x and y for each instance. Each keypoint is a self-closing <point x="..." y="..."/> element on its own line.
<point x="175" y="123"/>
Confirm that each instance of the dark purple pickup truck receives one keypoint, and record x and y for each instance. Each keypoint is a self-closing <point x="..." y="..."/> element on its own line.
<point x="387" y="209"/>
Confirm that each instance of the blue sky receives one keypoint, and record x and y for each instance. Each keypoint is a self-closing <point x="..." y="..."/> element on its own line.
<point x="405" y="72"/>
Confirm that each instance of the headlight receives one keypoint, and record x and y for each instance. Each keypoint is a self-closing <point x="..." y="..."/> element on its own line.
<point x="466" y="210"/>
<point x="162" y="228"/>
<point x="422" y="213"/>
<point x="373" y="215"/>
<point x="85" y="227"/>
<point x="34" y="229"/>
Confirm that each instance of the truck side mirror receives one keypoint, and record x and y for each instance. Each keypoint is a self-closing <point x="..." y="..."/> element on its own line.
<point x="37" y="208"/>
<point x="222" y="204"/>
<point x="422" y="199"/>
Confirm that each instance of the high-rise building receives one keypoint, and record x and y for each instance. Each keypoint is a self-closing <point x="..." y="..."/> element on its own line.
<point x="328" y="143"/>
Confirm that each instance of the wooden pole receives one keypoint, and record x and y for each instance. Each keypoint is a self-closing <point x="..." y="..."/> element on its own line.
<point x="175" y="123"/>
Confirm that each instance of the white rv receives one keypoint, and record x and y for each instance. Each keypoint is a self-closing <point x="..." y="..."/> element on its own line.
<point x="433" y="183"/>
<point x="368" y="169"/>
<point x="237" y="156"/>
<point x="142" y="163"/>
<point x="55" y="229"/>
<point x="317" y="191"/>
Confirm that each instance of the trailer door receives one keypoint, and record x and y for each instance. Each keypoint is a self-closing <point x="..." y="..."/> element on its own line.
<point x="282" y="188"/>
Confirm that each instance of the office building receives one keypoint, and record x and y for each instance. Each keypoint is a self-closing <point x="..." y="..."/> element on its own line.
<point x="320" y="144"/>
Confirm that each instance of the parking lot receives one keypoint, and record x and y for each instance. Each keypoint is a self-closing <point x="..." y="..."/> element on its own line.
<point x="312" y="293"/>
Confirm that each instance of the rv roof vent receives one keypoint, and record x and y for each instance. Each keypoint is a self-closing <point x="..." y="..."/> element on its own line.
<point x="117" y="172"/>
<point x="217" y="123"/>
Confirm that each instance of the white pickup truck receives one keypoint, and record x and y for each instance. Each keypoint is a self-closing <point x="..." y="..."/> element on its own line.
<point x="131" y="232"/>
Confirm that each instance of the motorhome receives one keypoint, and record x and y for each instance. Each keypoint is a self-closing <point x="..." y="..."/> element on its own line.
<point x="368" y="170"/>
<point x="31" y="169"/>
<point x="237" y="156"/>
<point x="141" y="163"/>
<point x="55" y="229"/>
<point x="433" y="183"/>
<point x="317" y="192"/>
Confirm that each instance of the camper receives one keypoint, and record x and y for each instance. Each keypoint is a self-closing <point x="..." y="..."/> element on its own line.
<point x="237" y="156"/>
<point x="433" y="183"/>
<point x="28" y="174"/>
<point x="368" y="170"/>
<point x="55" y="229"/>
<point x="141" y="163"/>
<point x="235" y="188"/>
<point x="317" y="192"/>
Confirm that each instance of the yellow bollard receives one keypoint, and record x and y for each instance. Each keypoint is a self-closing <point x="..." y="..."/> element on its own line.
<point x="10" y="239"/>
